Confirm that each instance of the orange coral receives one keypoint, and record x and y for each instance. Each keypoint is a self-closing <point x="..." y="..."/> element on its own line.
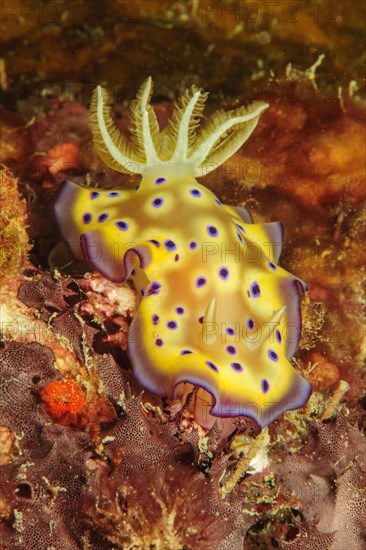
<point x="68" y="404"/>
<point x="7" y="440"/>
<point x="62" y="397"/>
<point x="325" y="374"/>
<point x="61" y="157"/>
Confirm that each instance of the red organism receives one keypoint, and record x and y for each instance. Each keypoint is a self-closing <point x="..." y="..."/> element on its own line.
<point x="62" y="397"/>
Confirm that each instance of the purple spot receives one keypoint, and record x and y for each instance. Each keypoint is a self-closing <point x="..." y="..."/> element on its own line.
<point x="212" y="366"/>
<point x="224" y="273"/>
<point x="265" y="385"/>
<point x="230" y="331"/>
<point x="272" y="355"/>
<point x="237" y="366"/>
<point x="278" y="336"/>
<point x="94" y="194"/>
<point x="133" y="272"/>
<point x="155" y="319"/>
<point x="103" y="217"/>
<point x="240" y="239"/>
<point x="154" y="242"/>
<point x="154" y="288"/>
<point x="87" y="217"/>
<point x="250" y="323"/>
<point x="179" y="310"/>
<point x="137" y="187"/>
<point x="172" y="325"/>
<point x="200" y="319"/>
<point x="113" y="194"/>
<point x="193" y="245"/>
<point x="218" y="202"/>
<point x="122" y="225"/>
<point x="157" y="202"/>
<point x="142" y="292"/>
<point x="255" y="289"/>
<point x="201" y="281"/>
<point x="186" y="352"/>
<point x="240" y="227"/>
<point x="160" y="180"/>
<point x="195" y="193"/>
<point x="272" y="266"/>
<point x="231" y="350"/>
<point x="159" y="342"/>
<point x="170" y="245"/>
<point x="211" y="230"/>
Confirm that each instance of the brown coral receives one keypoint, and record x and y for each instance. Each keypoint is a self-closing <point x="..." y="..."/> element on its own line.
<point x="153" y="495"/>
<point x="329" y="477"/>
<point x="43" y="483"/>
<point x="140" y="486"/>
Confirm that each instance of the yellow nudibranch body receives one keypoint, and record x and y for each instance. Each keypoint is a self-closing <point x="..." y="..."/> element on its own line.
<point x="216" y="311"/>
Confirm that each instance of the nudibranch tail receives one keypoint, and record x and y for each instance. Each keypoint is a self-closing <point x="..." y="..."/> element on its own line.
<point x="215" y="308"/>
<point x="224" y="133"/>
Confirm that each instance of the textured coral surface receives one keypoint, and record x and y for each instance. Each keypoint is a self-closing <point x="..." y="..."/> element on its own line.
<point x="88" y="460"/>
<point x="13" y="223"/>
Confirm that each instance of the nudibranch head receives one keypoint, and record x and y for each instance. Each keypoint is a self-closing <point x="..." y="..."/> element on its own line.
<point x="216" y="310"/>
<point x="178" y="146"/>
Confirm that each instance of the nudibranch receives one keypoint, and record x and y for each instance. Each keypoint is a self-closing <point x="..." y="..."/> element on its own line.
<point x="216" y="310"/>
